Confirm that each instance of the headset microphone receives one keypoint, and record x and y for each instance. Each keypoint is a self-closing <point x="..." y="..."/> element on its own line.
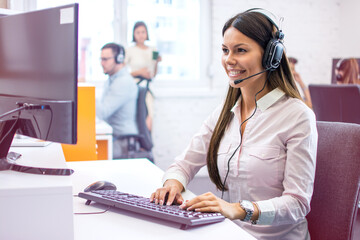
<point x="241" y="80"/>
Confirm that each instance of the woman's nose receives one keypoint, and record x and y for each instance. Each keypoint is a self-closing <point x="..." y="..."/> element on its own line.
<point x="230" y="60"/>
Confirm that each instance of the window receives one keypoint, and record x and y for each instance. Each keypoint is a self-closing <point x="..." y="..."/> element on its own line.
<point x="173" y="25"/>
<point x="95" y="29"/>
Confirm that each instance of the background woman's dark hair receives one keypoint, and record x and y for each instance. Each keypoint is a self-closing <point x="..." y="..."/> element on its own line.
<point x="139" y="24"/>
<point x="260" y="29"/>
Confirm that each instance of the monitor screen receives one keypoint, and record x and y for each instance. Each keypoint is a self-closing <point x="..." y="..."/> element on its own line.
<point x="38" y="75"/>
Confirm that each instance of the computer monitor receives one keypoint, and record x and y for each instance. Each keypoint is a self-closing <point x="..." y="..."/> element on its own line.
<point x="38" y="76"/>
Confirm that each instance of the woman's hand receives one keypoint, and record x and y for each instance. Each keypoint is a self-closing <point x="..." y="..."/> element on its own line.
<point x="171" y="190"/>
<point x="208" y="202"/>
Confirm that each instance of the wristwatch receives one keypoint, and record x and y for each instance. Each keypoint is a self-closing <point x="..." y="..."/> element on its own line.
<point x="248" y="208"/>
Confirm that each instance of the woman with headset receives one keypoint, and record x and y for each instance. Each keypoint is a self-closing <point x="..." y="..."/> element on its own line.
<point x="259" y="145"/>
<point x="347" y="71"/>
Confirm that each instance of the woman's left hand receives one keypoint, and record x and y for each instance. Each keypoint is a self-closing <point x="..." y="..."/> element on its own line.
<point x="208" y="202"/>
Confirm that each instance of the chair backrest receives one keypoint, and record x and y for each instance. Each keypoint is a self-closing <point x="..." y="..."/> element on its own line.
<point x="334" y="204"/>
<point x="336" y="103"/>
<point x="141" y="114"/>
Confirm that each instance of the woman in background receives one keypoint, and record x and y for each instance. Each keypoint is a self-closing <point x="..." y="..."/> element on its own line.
<point x="303" y="89"/>
<point x="347" y="71"/>
<point x="142" y="61"/>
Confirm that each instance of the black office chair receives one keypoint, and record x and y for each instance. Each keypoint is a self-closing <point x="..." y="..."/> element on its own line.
<point x="142" y="79"/>
<point x="140" y="145"/>
<point x="336" y="103"/>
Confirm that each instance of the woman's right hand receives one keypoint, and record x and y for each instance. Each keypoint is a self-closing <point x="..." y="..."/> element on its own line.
<point x="170" y="193"/>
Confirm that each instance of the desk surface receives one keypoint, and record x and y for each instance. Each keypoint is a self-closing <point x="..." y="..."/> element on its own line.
<point x="36" y="206"/>
<point x="48" y="157"/>
<point x="140" y="177"/>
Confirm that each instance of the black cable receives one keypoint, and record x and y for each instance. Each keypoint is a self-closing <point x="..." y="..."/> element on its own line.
<point x="23" y="106"/>
<point x="12" y="111"/>
<point x="85" y="213"/>
<point x="12" y="127"/>
<point x="94" y="212"/>
<point x="51" y="119"/>
<point x="228" y="164"/>
<point x="37" y="124"/>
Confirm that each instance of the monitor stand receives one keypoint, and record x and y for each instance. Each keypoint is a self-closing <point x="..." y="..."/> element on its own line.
<point x="7" y="132"/>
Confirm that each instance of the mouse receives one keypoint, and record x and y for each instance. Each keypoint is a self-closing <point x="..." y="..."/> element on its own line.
<point x="100" y="185"/>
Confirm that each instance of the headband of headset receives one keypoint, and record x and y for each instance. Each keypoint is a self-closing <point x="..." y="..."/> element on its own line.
<point x="274" y="49"/>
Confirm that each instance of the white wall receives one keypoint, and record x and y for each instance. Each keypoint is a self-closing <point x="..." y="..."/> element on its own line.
<point x="315" y="32"/>
<point x="349" y="32"/>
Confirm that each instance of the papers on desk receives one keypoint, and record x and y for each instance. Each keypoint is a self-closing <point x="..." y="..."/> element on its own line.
<point x="28" y="142"/>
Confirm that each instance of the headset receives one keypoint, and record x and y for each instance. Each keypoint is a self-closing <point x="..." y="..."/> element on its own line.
<point x="120" y="54"/>
<point x="338" y="76"/>
<point x="275" y="48"/>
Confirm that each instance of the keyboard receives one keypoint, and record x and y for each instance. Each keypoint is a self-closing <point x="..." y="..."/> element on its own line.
<point x="143" y="206"/>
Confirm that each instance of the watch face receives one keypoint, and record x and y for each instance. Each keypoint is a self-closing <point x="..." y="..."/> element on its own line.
<point x="247" y="204"/>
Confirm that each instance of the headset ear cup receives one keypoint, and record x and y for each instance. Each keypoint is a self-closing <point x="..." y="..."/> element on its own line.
<point x="273" y="54"/>
<point x="120" y="58"/>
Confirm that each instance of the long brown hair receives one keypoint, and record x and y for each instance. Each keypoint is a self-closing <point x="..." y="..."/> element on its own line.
<point x="258" y="27"/>
<point x="350" y="68"/>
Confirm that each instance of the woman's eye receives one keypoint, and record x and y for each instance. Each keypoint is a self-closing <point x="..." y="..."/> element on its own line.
<point x="241" y="50"/>
<point x="225" y="50"/>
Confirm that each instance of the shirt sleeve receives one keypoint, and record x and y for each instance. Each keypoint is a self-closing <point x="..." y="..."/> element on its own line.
<point x="115" y="97"/>
<point x="294" y="204"/>
<point x="193" y="157"/>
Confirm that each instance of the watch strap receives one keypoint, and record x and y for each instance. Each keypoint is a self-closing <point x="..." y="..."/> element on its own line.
<point x="248" y="207"/>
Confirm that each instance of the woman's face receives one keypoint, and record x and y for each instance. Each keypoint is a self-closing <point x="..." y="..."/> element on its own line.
<point x="140" y="34"/>
<point x="242" y="57"/>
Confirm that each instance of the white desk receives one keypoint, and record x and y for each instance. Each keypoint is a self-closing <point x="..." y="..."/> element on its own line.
<point x="36" y="206"/>
<point x="140" y="177"/>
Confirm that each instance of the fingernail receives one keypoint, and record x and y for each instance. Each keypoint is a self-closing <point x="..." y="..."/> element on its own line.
<point x="168" y="203"/>
<point x="156" y="201"/>
<point x="161" y="202"/>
